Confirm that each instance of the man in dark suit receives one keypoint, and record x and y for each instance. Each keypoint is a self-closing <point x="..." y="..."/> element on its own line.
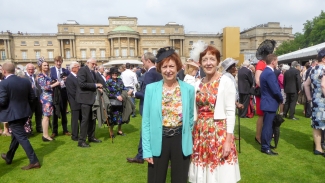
<point x="100" y="75"/>
<point x="245" y="83"/>
<point x="36" y="105"/>
<point x="85" y="95"/>
<point x="16" y="95"/>
<point x="148" y="60"/>
<point x="291" y="84"/>
<point x="72" y="85"/>
<point x="270" y="99"/>
<point x="56" y="73"/>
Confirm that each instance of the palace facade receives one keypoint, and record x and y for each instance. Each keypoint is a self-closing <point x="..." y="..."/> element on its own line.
<point x="122" y="38"/>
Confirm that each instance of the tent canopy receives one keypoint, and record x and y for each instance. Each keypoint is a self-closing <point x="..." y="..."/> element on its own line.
<point x="303" y="54"/>
<point x="119" y="62"/>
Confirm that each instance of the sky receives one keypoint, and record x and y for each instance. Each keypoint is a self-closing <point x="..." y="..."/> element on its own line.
<point x="202" y="16"/>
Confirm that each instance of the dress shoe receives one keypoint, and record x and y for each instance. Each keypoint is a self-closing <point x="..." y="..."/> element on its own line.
<point x="294" y="118"/>
<point x="318" y="152"/>
<point x="269" y="152"/>
<point x="31" y="166"/>
<point x="83" y="144"/>
<point x="272" y="147"/>
<point x="46" y="139"/>
<point x="4" y="157"/>
<point x="120" y="133"/>
<point x="135" y="160"/>
<point x="67" y="133"/>
<point x="54" y="135"/>
<point x="257" y="141"/>
<point x="94" y="140"/>
<point x="74" y="139"/>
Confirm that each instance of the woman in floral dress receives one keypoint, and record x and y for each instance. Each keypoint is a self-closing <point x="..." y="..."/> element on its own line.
<point x="115" y="87"/>
<point x="214" y="157"/>
<point x="316" y="81"/>
<point x="46" y="85"/>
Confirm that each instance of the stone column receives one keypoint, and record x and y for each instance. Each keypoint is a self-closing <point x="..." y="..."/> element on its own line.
<point x="112" y="48"/>
<point x="173" y="43"/>
<point x="181" y="43"/>
<point x="119" y="47"/>
<point x="136" y="47"/>
<point x="62" y="54"/>
<point x="9" y="50"/>
<point x="6" y="53"/>
<point x="128" y="54"/>
<point x="74" y="48"/>
<point x="71" y="52"/>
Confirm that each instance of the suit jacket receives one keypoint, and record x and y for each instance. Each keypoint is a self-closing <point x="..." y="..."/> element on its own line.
<point x="72" y="85"/>
<point x="181" y="74"/>
<point x="86" y="92"/>
<point x="100" y="79"/>
<point x="245" y="80"/>
<point x="202" y="73"/>
<point x="54" y="75"/>
<point x="291" y="81"/>
<point x="152" y="119"/>
<point x="270" y="91"/>
<point x="16" y="96"/>
<point x="38" y="87"/>
<point x="151" y="76"/>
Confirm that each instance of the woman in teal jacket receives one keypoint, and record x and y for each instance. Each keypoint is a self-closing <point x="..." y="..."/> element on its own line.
<point x="167" y="121"/>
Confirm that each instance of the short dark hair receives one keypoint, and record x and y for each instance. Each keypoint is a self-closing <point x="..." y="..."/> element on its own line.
<point x="174" y="57"/>
<point x="127" y="65"/>
<point x="270" y="58"/>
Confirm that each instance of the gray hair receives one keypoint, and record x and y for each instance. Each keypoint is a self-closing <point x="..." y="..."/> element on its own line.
<point x="73" y="64"/>
<point x="246" y="63"/>
<point x="285" y="67"/>
<point x="101" y="66"/>
<point x="150" y="56"/>
<point x="294" y="64"/>
<point x="20" y="73"/>
<point x="91" y="59"/>
<point x="29" y="64"/>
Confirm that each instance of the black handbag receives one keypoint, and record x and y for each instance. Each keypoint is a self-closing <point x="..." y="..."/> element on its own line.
<point x="255" y="91"/>
<point x="115" y="102"/>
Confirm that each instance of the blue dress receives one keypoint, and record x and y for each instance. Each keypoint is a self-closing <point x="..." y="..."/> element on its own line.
<point x="46" y="95"/>
<point x="318" y="99"/>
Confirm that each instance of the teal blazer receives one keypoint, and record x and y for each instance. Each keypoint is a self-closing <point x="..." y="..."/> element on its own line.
<point x="152" y="119"/>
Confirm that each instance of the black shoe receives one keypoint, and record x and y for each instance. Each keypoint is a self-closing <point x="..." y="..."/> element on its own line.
<point x="269" y="152"/>
<point x="272" y="147"/>
<point x="318" y="153"/>
<point x="133" y="116"/>
<point x="120" y="133"/>
<point x="46" y="139"/>
<point x="257" y="141"/>
<point x="94" y="140"/>
<point x="4" y="157"/>
<point x="135" y="160"/>
<point x="83" y="144"/>
<point x="39" y="131"/>
<point x="74" y="139"/>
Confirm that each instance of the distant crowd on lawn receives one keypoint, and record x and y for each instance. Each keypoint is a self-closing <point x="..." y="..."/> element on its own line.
<point x="188" y="110"/>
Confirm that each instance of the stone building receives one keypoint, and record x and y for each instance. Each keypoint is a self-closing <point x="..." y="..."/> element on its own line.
<point x="122" y="38"/>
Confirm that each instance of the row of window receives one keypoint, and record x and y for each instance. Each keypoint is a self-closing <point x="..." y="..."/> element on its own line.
<point x="101" y="31"/>
<point x="191" y="42"/>
<point x="36" y="43"/>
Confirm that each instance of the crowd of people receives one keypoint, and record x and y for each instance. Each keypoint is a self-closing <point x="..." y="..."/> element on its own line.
<point x="188" y="110"/>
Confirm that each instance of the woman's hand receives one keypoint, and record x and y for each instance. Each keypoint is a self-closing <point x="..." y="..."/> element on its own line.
<point x="239" y="105"/>
<point x="130" y="92"/>
<point x="226" y="146"/>
<point x="57" y="83"/>
<point x="119" y="98"/>
<point x="149" y="160"/>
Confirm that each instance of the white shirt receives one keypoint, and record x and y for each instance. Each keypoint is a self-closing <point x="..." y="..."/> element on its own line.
<point x="129" y="78"/>
<point x="270" y="67"/>
<point x="75" y="75"/>
<point x="101" y="74"/>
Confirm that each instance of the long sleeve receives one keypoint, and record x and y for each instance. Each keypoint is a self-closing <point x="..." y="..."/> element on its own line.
<point x="147" y="153"/>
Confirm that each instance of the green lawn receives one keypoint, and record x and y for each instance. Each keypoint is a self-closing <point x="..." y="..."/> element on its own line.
<point x="63" y="161"/>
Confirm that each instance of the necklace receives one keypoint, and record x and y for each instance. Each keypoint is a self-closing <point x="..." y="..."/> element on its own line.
<point x="171" y="87"/>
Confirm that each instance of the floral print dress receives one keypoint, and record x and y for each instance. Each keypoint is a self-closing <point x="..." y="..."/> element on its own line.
<point x="209" y="135"/>
<point x="318" y="99"/>
<point x="47" y="94"/>
<point x="114" y="89"/>
<point x="172" y="107"/>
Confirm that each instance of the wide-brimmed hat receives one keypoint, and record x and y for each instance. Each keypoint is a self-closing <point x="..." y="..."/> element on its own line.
<point x="192" y="64"/>
<point x="227" y="63"/>
<point x="265" y="48"/>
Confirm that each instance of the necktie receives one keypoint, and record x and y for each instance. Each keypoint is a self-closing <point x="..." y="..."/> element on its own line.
<point x="59" y="75"/>
<point x="33" y="84"/>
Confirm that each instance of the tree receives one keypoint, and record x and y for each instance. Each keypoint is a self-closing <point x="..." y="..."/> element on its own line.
<point x="313" y="33"/>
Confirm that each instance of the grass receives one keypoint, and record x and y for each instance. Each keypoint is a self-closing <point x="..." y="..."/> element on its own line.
<point x="63" y="161"/>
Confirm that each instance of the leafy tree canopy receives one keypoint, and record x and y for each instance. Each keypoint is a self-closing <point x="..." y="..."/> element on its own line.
<point x="313" y="33"/>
